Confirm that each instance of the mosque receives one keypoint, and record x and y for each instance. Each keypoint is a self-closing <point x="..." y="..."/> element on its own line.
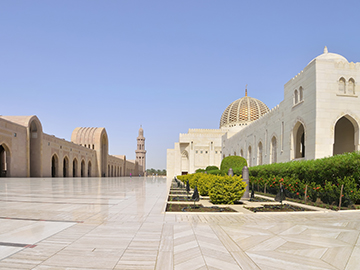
<point x="26" y="151"/>
<point x="319" y="117"/>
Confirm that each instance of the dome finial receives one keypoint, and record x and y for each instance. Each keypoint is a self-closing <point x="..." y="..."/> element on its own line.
<point x="326" y="50"/>
<point x="245" y="90"/>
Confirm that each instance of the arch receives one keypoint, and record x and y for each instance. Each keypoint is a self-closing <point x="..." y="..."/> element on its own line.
<point x="346" y="131"/>
<point x="351" y="86"/>
<point x="296" y="97"/>
<point x="299" y="140"/>
<point x="342" y="89"/>
<point x="273" y="150"/>
<point x="301" y="94"/>
<point x="104" y="153"/>
<point x="249" y="156"/>
<point x="112" y="171"/>
<point x="35" y="148"/>
<point x="260" y="154"/>
<point x="241" y="153"/>
<point x="234" y="153"/>
<point x="108" y="174"/>
<point x="65" y="166"/>
<point x="82" y="173"/>
<point x="4" y="160"/>
<point x="89" y="169"/>
<point x="75" y="167"/>
<point x="54" y="166"/>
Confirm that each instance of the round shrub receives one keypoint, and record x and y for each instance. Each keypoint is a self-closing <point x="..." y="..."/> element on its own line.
<point x="199" y="171"/>
<point x="235" y="162"/>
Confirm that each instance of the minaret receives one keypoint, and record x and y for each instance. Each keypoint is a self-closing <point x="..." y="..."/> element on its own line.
<point x="140" y="151"/>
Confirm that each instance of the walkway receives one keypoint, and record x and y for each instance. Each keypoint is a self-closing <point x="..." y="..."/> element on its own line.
<point x="119" y="223"/>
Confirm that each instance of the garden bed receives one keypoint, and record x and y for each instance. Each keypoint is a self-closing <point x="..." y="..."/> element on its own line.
<point x="179" y="199"/>
<point x="172" y="207"/>
<point x="277" y="208"/>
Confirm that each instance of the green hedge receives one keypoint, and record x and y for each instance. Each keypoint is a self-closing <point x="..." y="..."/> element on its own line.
<point x="220" y="189"/>
<point x="323" y="178"/>
<point x="235" y="162"/>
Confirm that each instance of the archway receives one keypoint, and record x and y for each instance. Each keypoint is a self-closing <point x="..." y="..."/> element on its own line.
<point x="75" y="167"/>
<point x="65" y="167"/>
<point x="4" y="161"/>
<point x="104" y="153"/>
<point x="82" y="168"/>
<point x="344" y="136"/>
<point x="89" y="169"/>
<point x="35" y="149"/>
<point x="299" y="140"/>
<point x="184" y="162"/>
<point x="54" y="166"/>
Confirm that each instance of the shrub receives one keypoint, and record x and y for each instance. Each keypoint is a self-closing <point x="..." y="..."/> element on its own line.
<point x="211" y="168"/>
<point x="215" y="172"/>
<point x="205" y="183"/>
<point x="199" y="171"/>
<point x="226" y="189"/>
<point x="234" y="162"/>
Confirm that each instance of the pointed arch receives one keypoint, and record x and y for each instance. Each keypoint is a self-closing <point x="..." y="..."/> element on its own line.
<point x="342" y="88"/>
<point x="75" y="167"/>
<point x="346" y="133"/>
<point x="82" y="173"/>
<point x="184" y="162"/>
<point x="351" y="86"/>
<point x="249" y="156"/>
<point x="54" y="166"/>
<point x="5" y="160"/>
<point x="298" y="134"/>
<point x="89" y="169"/>
<point x="65" y="166"/>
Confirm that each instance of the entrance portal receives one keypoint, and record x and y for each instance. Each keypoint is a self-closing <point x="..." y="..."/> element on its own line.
<point x="344" y="133"/>
<point x="54" y="166"/>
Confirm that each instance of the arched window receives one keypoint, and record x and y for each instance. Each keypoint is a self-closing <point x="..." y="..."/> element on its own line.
<point x="301" y="93"/>
<point x="351" y="87"/>
<point x="296" y="97"/>
<point x="342" y="89"/>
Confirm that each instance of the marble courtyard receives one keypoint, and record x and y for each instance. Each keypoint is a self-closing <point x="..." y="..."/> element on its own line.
<point x="119" y="223"/>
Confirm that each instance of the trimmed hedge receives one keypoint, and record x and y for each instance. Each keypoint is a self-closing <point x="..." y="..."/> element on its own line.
<point x="221" y="189"/>
<point x="235" y="162"/>
<point x="323" y="178"/>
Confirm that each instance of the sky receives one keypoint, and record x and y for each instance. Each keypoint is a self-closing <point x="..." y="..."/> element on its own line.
<point x="166" y="65"/>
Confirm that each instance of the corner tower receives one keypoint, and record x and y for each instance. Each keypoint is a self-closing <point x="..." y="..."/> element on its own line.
<point x="140" y="151"/>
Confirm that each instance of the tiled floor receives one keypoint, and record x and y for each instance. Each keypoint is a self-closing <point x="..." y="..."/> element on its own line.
<point x="119" y="223"/>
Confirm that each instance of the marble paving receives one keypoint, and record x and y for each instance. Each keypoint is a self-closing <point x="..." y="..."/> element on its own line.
<point x="119" y="223"/>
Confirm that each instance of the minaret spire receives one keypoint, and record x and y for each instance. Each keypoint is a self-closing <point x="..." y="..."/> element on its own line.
<point x="245" y="90"/>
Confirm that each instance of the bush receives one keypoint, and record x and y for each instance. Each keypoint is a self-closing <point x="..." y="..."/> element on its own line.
<point x="226" y="189"/>
<point x="199" y="171"/>
<point x="215" y="172"/>
<point x="205" y="183"/>
<point x="211" y="168"/>
<point x="234" y="162"/>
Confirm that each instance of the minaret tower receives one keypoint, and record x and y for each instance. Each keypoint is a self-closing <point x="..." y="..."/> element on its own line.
<point x="140" y="151"/>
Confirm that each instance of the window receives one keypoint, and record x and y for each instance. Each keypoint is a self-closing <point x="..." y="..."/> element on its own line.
<point x="351" y="87"/>
<point x="296" y="97"/>
<point x="301" y="93"/>
<point x="342" y="89"/>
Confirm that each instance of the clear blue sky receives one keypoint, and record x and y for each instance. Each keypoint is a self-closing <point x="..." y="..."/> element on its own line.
<point x="166" y="65"/>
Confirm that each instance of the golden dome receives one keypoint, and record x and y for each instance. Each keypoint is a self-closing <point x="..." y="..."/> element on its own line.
<point x="242" y="112"/>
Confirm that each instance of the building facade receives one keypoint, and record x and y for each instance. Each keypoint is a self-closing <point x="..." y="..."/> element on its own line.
<point x="319" y="117"/>
<point x="26" y="151"/>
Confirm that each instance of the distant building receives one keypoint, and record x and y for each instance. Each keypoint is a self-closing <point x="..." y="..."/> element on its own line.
<point x="25" y="151"/>
<point x="319" y="117"/>
<point x="140" y="151"/>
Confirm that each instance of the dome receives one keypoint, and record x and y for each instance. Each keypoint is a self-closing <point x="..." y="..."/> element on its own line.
<point x="330" y="56"/>
<point x="243" y="111"/>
